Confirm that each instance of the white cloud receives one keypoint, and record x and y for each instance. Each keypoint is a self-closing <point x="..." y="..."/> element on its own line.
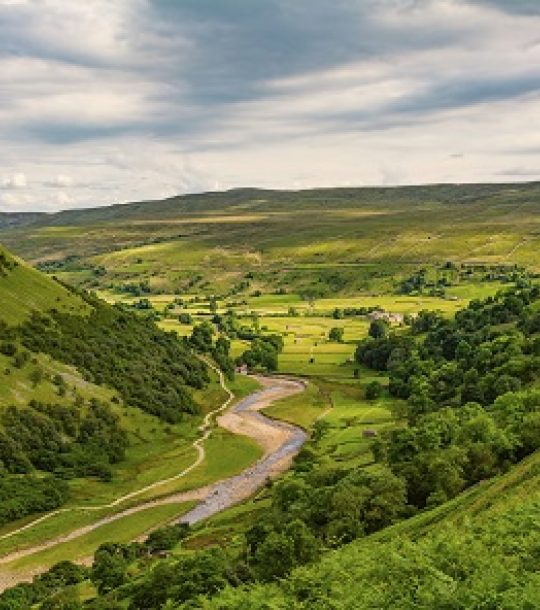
<point x="15" y="181"/>
<point x="60" y="181"/>
<point x="137" y="99"/>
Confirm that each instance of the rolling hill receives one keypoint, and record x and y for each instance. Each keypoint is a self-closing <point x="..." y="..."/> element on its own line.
<point x="340" y="240"/>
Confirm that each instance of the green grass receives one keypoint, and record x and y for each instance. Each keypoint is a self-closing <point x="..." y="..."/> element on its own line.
<point x="345" y="241"/>
<point x="16" y="388"/>
<point x="226" y="455"/>
<point x="161" y="456"/>
<point x="301" y="409"/>
<point x="343" y="443"/>
<point x="125" y="530"/>
<point x="23" y="290"/>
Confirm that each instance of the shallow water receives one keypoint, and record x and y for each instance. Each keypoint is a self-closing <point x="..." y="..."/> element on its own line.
<point x="233" y="490"/>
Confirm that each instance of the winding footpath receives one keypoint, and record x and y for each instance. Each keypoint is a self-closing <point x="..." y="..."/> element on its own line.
<point x="280" y="441"/>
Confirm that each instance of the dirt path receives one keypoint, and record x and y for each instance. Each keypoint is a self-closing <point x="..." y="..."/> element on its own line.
<point x="280" y="441"/>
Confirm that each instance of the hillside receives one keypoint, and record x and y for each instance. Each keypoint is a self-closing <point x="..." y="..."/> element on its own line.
<point x="478" y="551"/>
<point x="87" y="393"/>
<point x="23" y="290"/>
<point x="216" y="242"/>
<point x="418" y="487"/>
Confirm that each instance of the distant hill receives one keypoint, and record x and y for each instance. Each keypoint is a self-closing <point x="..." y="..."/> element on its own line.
<point x="329" y="236"/>
<point x="10" y="220"/>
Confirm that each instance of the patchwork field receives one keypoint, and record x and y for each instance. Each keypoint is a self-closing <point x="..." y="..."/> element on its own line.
<point x="321" y="241"/>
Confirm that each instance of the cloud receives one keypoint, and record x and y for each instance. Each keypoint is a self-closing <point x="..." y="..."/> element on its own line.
<point x="112" y="101"/>
<point x="521" y="172"/>
<point x="60" y="181"/>
<point x="525" y="7"/>
<point x="15" y="181"/>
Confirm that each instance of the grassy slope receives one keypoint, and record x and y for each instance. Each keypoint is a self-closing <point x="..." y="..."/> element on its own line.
<point x="456" y="556"/>
<point x="24" y="289"/>
<point x="156" y="451"/>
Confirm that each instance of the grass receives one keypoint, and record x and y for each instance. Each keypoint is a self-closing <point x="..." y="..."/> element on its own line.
<point x="16" y="388"/>
<point x="301" y="409"/>
<point x="345" y="241"/>
<point x="126" y="530"/>
<point x="351" y="416"/>
<point x="24" y="290"/>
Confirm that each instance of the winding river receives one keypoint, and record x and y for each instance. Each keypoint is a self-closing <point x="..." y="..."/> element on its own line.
<point x="281" y="442"/>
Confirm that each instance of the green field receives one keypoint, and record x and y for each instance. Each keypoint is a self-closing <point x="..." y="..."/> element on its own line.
<point x="344" y="240"/>
<point x="288" y="264"/>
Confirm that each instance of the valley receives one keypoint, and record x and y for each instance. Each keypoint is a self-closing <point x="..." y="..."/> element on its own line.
<point x="390" y="339"/>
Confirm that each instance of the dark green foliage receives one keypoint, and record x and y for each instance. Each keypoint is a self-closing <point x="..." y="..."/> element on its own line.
<point x="263" y="353"/>
<point x="202" y="337"/>
<point x="373" y="390"/>
<point x="7" y="263"/>
<point x="25" y="595"/>
<point x="166" y="538"/>
<point x="151" y="369"/>
<point x="378" y="329"/>
<point x="336" y="334"/>
<point x="61" y="439"/>
<point x="8" y="348"/>
<point x="468" y="419"/>
<point x="486" y="351"/>
<point x="375" y="353"/>
<point x="110" y="565"/>
<point x="221" y="355"/>
<point x="206" y="572"/>
<point x="22" y="496"/>
<point x="332" y="506"/>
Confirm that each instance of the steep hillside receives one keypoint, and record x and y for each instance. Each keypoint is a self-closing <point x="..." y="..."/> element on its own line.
<point x="23" y="290"/>
<point x="71" y="370"/>
<point x="478" y="551"/>
<point x="221" y="242"/>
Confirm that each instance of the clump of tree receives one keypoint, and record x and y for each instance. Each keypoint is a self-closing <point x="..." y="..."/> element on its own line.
<point x="23" y="496"/>
<point x="470" y="409"/>
<point x="336" y="334"/>
<point x="45" y="587"/>
<point x="61" y="439"/>
<point x="263" y="353"/>
<point x="151" y="369"/>
<point x="202" y="340"/>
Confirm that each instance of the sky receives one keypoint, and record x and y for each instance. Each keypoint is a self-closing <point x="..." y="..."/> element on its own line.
<point x="108" y="101"/>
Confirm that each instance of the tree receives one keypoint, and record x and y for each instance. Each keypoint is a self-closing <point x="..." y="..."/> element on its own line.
<point x="378" y="329"/>
<point x="336" y="334"/>
<point x="185" y="318"/>
<point x="373" y="390"/>
<point x="201" y="337"/>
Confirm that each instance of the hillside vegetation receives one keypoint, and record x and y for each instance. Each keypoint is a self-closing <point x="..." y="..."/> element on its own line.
<point x="444" y="516"/>
<point x="238" y="241"/>
<point x="71" y="367"/>
<point x="24" y="290"/>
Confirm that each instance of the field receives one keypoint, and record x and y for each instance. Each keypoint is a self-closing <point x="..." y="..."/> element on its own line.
<point x="322" y="242"/>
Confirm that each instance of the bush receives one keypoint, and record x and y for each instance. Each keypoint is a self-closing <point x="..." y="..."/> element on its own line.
<point x="373" y="390"/>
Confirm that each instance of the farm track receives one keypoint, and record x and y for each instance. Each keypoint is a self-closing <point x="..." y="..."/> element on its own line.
<point x="280" y="441"/>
